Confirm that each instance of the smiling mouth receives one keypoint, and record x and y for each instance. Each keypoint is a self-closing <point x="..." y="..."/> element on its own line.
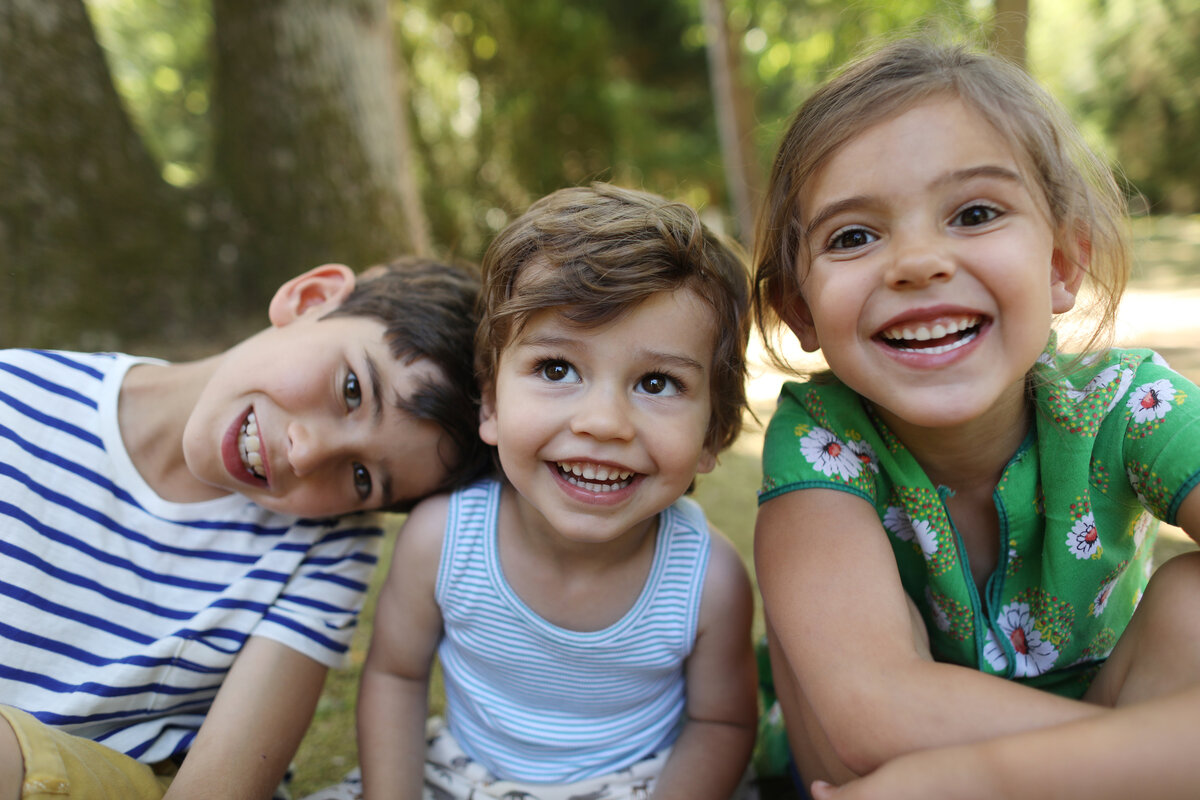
<point x="594" y="477"/>
<point x="933" y="339"/>
<point x="250" y="447"/>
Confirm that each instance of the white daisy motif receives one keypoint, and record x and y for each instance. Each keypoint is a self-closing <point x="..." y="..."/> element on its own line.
<point x="830" y="455"/>
<point x="1102" y="379"/>
<point x="1084" y="539"/>
<point x="1101" y="599"/>
<point x="994" y="653"/>
<point x="1151" y="401"/>
<point x="1034" y="655"/>
<point x="896" y="520"/>
<point x="940" y="618"/>
<point x="1156" y="358"/>
<point x="1140" y="528"/>
<point x="863" y="452"/>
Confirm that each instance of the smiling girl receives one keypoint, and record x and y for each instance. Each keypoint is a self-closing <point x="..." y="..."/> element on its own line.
<point x="956" y="521"/>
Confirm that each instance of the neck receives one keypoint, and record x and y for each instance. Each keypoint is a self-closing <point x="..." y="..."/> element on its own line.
<point x="155" y="403"/>
<point x="973" y="454"/>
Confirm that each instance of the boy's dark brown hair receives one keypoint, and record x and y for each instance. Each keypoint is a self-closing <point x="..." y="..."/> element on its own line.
<point x="603" y="250"/>
<point x="428" y="308"/>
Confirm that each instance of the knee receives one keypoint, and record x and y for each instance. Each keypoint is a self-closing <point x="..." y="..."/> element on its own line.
<point x="12" y="763"/>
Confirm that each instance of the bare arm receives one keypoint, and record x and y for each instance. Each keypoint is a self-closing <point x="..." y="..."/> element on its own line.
<point x="393" y="693"/>
<point x="255" y="725"/>
<point x="851" y="653"/>
<point x="1139" y="748"/>
<point x="713" y="749"/>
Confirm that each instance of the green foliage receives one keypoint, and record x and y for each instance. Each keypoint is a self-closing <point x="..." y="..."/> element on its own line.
<point x="158" y="54"/>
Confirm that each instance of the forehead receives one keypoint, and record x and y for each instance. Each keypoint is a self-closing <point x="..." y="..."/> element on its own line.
<point x="914" y="145"/>
<point x="664" y="321"/>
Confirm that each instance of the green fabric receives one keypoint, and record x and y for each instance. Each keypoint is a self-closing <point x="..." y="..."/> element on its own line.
<point x="1115" y="444"/>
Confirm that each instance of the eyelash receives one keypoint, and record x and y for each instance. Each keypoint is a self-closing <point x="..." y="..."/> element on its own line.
<point x="352" y="394"/>
<point x="992" y="210"/>
<point x="539" y="368"/>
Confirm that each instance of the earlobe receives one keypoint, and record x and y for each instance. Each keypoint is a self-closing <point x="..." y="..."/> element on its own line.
<point x="799" y="319"/>
<point x="707" y="462"/>
<point x="322" y="288"/>
<point x="487" y="418"/>
<point x="1067" y="270"/>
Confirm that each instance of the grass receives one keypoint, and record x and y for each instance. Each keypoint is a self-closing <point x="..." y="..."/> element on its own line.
<point x="1167" y="253"/>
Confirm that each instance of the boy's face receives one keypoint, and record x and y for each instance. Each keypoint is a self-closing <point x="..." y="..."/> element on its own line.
<point x="600" y="429"/>
<point x="302" y="418"/>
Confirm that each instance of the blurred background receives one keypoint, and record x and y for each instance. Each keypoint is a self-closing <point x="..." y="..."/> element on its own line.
<point x="166" y="164"/>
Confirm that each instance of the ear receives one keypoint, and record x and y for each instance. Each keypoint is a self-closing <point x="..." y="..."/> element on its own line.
<point x="1068" y="265"/>
<point x="320" y="289"/>
<point x="487" y="416"/>
<point x="797" y="317"/>
<point x="707" y="462"/>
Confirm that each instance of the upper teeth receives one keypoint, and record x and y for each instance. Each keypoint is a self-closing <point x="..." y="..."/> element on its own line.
<point x="923" y="333"/>
<point x="249" y="446"/>
<point x="591" y="476"/>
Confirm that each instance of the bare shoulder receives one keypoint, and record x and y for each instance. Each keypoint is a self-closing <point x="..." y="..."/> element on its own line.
<point x="727" y="589"/>
<point x="418" y="548"/>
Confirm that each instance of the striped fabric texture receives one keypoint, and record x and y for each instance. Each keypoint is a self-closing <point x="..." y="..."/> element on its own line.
<point x="535" y="702"/>
<point x="120" y="612"/>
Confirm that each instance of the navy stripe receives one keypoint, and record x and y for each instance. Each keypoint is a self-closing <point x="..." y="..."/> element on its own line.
<point x="54" y="388"/>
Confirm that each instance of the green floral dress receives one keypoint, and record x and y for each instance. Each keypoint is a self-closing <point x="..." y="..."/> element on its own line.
<point x="1115" y="447"/>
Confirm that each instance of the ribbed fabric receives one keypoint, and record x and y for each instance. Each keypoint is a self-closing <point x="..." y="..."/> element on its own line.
<point x="536" y="702"/>
<point x="120" y="612"/>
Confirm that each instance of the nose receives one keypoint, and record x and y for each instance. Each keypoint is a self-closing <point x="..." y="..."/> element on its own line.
<point x="309" y="447"/>
<point x="919" y="259"/>
<point x="603" y="413"/>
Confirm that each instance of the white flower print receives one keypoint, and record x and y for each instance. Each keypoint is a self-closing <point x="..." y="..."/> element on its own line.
<point x="1156" y="358"/>
<point x="863" y="452"/>
<point x="1034" y="655"/>
<point x="994" y="653"/>
<point x="896" y="520"/>
<point x="1141" y="528"/>
<point x="940" y="618"/>
<point x="1102" y="596"/>
<point x="830" y="455"/>
<point x="1151" y="401"/>
<point x="1084" y="539"/>
<point x="1135" y="483"/>
<point x="1103" y="379"/>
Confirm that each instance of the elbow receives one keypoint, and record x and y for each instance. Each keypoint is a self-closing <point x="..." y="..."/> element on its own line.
<point x="861" y="731"/>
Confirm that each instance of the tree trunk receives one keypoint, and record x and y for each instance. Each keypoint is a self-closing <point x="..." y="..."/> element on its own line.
<point x="735" y="122"/>
<point x="307" y="125"/>
<point x="1009" y="26"/>
<point x="86" y="223"/>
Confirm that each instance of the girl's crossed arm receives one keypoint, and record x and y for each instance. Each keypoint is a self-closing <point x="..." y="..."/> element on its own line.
<point x="850" y="654"/>
<point x="710" y="756"/>
<point x="393" y="695"/>
<point x="1135" y="749"/>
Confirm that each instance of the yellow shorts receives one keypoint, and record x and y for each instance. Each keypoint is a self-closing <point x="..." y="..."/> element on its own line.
<point x="58" y="765"/>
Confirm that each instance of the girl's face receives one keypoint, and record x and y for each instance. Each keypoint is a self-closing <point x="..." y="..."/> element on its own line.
<point x="934" y="270"/>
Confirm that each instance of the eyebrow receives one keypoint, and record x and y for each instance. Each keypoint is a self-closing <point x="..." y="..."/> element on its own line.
<point x="857" y="201"/>
<point x="375" y="382"/>
<point x="565" y="342"/>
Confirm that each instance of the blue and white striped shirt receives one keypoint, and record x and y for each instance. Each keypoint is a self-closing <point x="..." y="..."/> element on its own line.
<point x="536" y="702"/>
<point x="120" y="612"/>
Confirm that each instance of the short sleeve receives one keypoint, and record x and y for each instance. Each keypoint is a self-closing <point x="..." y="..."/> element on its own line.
<point x="317" y="610"/>
<point x="1161" y="448"/>
<point x="820" y="438"/>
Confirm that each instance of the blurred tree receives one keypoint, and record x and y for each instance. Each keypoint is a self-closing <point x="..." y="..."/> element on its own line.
<point x="308" y="166"/>
<point x="1008" y="29"/>
<point x="1145" y="99"/>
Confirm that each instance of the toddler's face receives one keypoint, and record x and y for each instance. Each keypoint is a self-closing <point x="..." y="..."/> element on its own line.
<point x="599" y="429"/>
<point x="934" y="272"/>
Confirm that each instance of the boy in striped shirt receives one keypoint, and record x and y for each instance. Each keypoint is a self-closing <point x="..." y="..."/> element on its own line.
<point x="184" y="547"/>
